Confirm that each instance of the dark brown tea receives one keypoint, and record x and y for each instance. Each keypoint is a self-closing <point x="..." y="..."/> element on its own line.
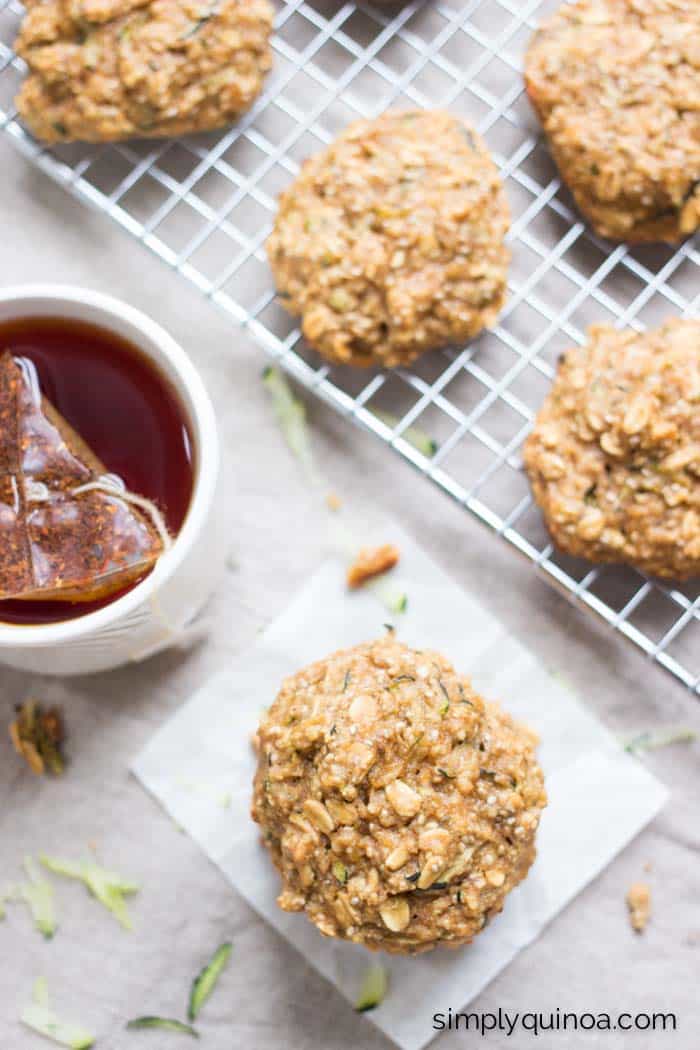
<point x="121" y="407"/>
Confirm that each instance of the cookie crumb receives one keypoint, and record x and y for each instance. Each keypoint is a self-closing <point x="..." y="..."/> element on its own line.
<point x="639" y="906"/>
<point x="371" y="562"/>
<point x="333" y="502"/>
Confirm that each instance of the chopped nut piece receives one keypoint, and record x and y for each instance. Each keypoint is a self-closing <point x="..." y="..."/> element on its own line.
<point x="639" y="905"/>
<point x="371" y="562"/>
<point x="430" y="872"/>
<point x="458" y="867"/>
<point x="363" y="708"/>
<point x="397" y="858"/>
<point x="396" y="914"/>
<point x="341" y="812"/>
<point x="37" y="736"/>
<point x="403" y="799"/>
<point x="319" y="815"/>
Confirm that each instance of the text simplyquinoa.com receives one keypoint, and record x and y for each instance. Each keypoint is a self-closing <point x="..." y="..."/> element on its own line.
<point x="545" y="1022"/>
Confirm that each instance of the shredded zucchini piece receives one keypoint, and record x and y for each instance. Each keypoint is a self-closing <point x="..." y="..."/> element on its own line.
<point x="4" y="898"/>
<point x="37" y="894"/>
<point x="106" y="886"/>
<point x="40" y="1018"/>
<point x="374" y="987"/>
<point x="41" y="992"/>
<point x="222" y="798"/>
<point x="291" y="416"/>
<point x="169" y="1024"/>
<point x="392" y="598"/>
<point x="414" y="435"/>
<point x="652" y="740"/>
<point x="340" y="872"/>
<point x="205" y="982"/>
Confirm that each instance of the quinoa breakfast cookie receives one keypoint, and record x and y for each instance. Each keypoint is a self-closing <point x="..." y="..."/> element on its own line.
<point x="614" y="457"/>
<point x="102" y="70"/>
<point x="616" y="85"/>
<point x="399" y="807"/>
<point x="390" y="242"/>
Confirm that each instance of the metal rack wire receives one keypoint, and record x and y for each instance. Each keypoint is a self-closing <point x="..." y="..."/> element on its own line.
<point x="205" y="204"/>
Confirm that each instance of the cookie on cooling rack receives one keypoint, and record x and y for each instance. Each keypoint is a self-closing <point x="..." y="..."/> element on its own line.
<point x="102" y="70"/>
<point x="391" y="241"/>
<point x="616" y="85"/>
<point x="614" y="457"/>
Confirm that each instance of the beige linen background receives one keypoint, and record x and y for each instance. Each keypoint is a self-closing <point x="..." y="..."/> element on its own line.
<point x="588" y="959"/>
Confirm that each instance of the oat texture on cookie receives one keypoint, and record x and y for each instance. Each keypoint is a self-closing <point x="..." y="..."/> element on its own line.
<point x="614" y="457"/>
<point x="103" y="70"/>
<point x="399" y="807"/>
<point x="391" y="241"/>
<point x="616" y="85"/>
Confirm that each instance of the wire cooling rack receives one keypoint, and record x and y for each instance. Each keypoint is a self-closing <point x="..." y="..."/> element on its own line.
<point x="205" y="204"/>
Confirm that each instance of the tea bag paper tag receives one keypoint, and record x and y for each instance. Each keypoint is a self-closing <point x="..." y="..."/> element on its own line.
<point x="200" y="767"/>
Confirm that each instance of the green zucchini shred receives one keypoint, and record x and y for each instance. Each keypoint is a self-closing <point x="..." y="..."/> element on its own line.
<point x="40" y="994"/>
<point x="340" y="872"/>
<point x="37" y="894"/>
<point x="652" y="741"/>
<point x="202" y="787"/>
<point x="41" y="1019"/>
<point x="445" y="703"/>
<point x="109" y="888"/>
<point x="393" y="599"/>
<point x="168" y="1024"/>
<point x="205" y="982"/>
<point x="413" y="435"/>
<point x="374" y="987"/>
<point x="291" y="416"/>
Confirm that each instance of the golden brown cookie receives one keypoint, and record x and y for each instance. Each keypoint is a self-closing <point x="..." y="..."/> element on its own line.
<point x="399" y="807"/>
<point x="390" y="241"/>
<point x="616" y="85"/>
<point x="614" y="457"/>
<point x="101" y="70"/>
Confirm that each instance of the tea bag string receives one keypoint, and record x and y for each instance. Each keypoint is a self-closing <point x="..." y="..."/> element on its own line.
<point x="31" y="378"/>
<point x="113" y="485"/>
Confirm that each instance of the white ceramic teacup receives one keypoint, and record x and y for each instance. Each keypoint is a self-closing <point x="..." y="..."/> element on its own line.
<point x="154" y="614"/>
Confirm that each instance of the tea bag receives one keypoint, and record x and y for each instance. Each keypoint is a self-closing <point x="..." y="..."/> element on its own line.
<point x="69" y="530"/>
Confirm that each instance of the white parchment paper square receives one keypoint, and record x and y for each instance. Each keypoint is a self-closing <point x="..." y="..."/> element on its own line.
<point x="200" y="767"/>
